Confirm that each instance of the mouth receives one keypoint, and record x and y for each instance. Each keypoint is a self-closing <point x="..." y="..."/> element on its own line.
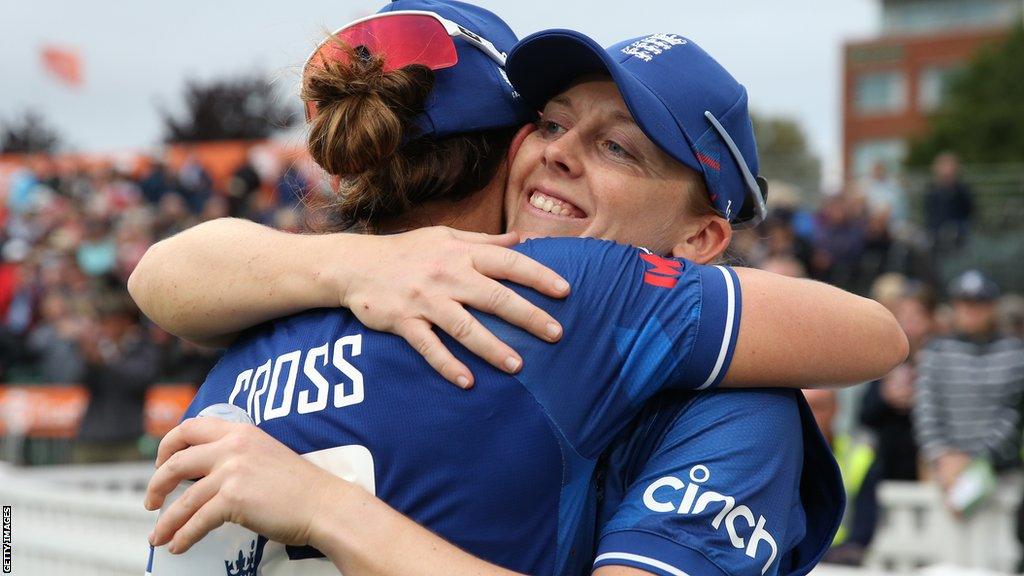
<point x="552" y="206"/>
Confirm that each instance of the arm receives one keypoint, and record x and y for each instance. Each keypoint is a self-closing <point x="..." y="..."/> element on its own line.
<point x="802" y="333"/>
<point x="365" y="536"/>
<point x="249" y="478"/>
<point x="218" y="278"/>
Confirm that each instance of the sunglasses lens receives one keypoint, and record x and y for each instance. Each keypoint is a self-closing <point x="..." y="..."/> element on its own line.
<point x="402" y="39"/>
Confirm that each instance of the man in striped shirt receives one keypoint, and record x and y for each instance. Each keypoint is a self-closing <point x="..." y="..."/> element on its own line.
<point x="970" y="386"/>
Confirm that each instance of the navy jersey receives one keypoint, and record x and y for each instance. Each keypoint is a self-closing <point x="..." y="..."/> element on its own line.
<point x="501" y="470"/>
<point x="726" y="483"/>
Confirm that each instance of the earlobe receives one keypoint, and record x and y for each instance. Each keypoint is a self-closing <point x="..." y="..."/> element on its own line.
<point x="517" y="141"/>
<point x="706" y="243"/>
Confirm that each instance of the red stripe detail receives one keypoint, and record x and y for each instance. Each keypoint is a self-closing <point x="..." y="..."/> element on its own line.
<point x="708" y="161"/>
<point x="660" y="281"/>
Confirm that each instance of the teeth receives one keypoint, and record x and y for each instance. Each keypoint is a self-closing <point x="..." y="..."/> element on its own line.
<point x="550" y="205"/>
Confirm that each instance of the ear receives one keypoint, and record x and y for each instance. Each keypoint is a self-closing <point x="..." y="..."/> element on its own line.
<point x="706" y="241"/>
<point x="517" y="140"/>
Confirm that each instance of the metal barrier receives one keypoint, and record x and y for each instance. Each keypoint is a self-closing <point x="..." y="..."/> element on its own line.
<point x="915" y="529"/>
<point x="78" y="520"/>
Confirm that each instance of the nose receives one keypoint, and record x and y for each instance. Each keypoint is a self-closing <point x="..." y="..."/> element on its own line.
<point x="562" y="154"/>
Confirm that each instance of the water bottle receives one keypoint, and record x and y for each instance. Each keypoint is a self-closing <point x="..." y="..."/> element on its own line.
<point x="229" y="550"/>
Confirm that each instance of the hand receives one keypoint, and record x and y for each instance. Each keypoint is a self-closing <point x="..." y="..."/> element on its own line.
<point x="246" y="477"/>
<point x="949" y="466"/>
<point x="416" y="280"/>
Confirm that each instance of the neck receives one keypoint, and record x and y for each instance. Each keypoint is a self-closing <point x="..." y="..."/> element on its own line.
<point x="482" y="211"/>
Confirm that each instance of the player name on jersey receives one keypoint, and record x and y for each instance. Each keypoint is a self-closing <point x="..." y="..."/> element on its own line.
<point x="267" y="398"/>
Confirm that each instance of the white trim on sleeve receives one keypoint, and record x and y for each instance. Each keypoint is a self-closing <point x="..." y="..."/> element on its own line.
<point x="641" y="560"/>
<point x="730" y="317"/>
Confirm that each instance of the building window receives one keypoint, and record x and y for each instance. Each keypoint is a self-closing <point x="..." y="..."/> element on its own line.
<point x="867" y="153"/>
<point x="880" y="93"/>
<point x="924" y="16"/>
<point x="933" y="86"/>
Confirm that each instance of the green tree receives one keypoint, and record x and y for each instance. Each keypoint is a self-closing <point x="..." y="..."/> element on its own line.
<point x="241" y="108"/>
<point x="982" y="116"/>
<point x="28" y="134"/>
<point x="784" y="154"/>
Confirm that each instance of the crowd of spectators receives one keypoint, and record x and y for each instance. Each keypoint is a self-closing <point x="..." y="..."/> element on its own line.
<point x="70" y="235"/>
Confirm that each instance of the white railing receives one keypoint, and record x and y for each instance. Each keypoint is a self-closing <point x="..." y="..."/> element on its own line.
<point x="89" y="521"/>
<point x="78" y="520"/>
<point x="916" y="530"/>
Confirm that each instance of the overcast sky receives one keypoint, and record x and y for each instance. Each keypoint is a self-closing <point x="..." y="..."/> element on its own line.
<point x="138" y="54"/>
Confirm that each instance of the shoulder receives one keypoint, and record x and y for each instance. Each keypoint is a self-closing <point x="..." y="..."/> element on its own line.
<point x="728" y="421"/>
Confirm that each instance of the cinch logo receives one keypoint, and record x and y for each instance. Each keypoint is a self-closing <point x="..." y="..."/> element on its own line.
<point x="662" y="494"/>
<point x="245" y="565"/>
<point x="665" y="273"/>
<point x="647" y="48"/>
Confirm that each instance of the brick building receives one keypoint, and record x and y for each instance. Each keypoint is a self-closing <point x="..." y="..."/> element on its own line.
<point x="892" y="82"/>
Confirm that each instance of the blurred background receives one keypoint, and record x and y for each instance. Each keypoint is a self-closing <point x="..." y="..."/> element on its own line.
<point x="892" y="132"/>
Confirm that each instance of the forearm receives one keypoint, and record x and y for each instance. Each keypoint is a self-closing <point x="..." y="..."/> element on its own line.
<point x="801" y="333"/>
<point x="363" y="536"/>
<point x="213" y="280"/>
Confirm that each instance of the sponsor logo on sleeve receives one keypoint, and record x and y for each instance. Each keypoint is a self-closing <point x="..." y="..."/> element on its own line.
<point x="746" y="530"/>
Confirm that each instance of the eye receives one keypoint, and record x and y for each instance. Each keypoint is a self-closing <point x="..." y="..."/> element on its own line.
<point x="550" y="127"/>
<point x="617" y="149"/>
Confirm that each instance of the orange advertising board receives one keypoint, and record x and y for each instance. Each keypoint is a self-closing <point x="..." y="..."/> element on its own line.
<point x="53" y="411"/>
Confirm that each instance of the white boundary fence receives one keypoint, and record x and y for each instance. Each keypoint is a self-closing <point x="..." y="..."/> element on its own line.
<point x="78" y="520"/>
<point x="88" y="520"/>
<point x="916" y="530"/>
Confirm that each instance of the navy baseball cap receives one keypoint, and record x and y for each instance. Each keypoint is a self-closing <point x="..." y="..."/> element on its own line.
<point x="475" y="94"/>
<point x="681" y="98"/>
<point x="975" y="286"/>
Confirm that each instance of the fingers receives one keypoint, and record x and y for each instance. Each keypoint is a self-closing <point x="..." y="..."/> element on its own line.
<point x="190" y="432"/>
<point x="464" y="327"/>
<point x="507" y="239"/>
<point x="504" y="264"/>
<point x="497" y="299"/>
<point x="421" y="337"/>
<point x="182" y="509"/>
<point x="208" y="517"/>
<point x="193" y="462"/>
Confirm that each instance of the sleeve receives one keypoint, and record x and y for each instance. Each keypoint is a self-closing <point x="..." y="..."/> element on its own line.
<point x="720" y="494"/>
<point x="634" y="323"/>
<point x="927" y="411"/>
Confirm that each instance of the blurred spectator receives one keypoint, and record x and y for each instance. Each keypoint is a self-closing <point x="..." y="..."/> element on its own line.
<point x="194" y="183"/>
<point x="889" y="289"/>
<point x="120" y="366"/>
<point x="1011" y="315"/>
<point x="969" y="388"/>
<point x="245" y="182"/>
<point x="839" y="240"/>
<point x="97" y="254"/>
<point x="948" y="204"/>
<point x="53" y="343"/>
<point x="156" y="183"/>
<point x="885" y="411"/>
<point x="885" y="196"/>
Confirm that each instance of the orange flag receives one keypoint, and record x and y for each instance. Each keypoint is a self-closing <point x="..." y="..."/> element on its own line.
<point x="63" y="63"/>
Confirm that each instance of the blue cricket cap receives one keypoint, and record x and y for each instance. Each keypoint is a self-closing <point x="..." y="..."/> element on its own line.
<point x="681" y="98"/>
<point x="475" y="94"/>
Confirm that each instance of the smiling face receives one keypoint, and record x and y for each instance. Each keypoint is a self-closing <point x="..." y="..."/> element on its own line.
<point x="588" y="170"/>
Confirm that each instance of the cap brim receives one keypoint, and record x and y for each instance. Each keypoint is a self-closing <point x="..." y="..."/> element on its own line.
<point x="544" y="64"/>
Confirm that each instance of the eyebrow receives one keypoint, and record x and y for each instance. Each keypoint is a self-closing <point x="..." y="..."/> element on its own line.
<point x="618" y="115"/>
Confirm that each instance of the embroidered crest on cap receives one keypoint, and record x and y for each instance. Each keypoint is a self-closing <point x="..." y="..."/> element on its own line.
<point x="647" y="48"/>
